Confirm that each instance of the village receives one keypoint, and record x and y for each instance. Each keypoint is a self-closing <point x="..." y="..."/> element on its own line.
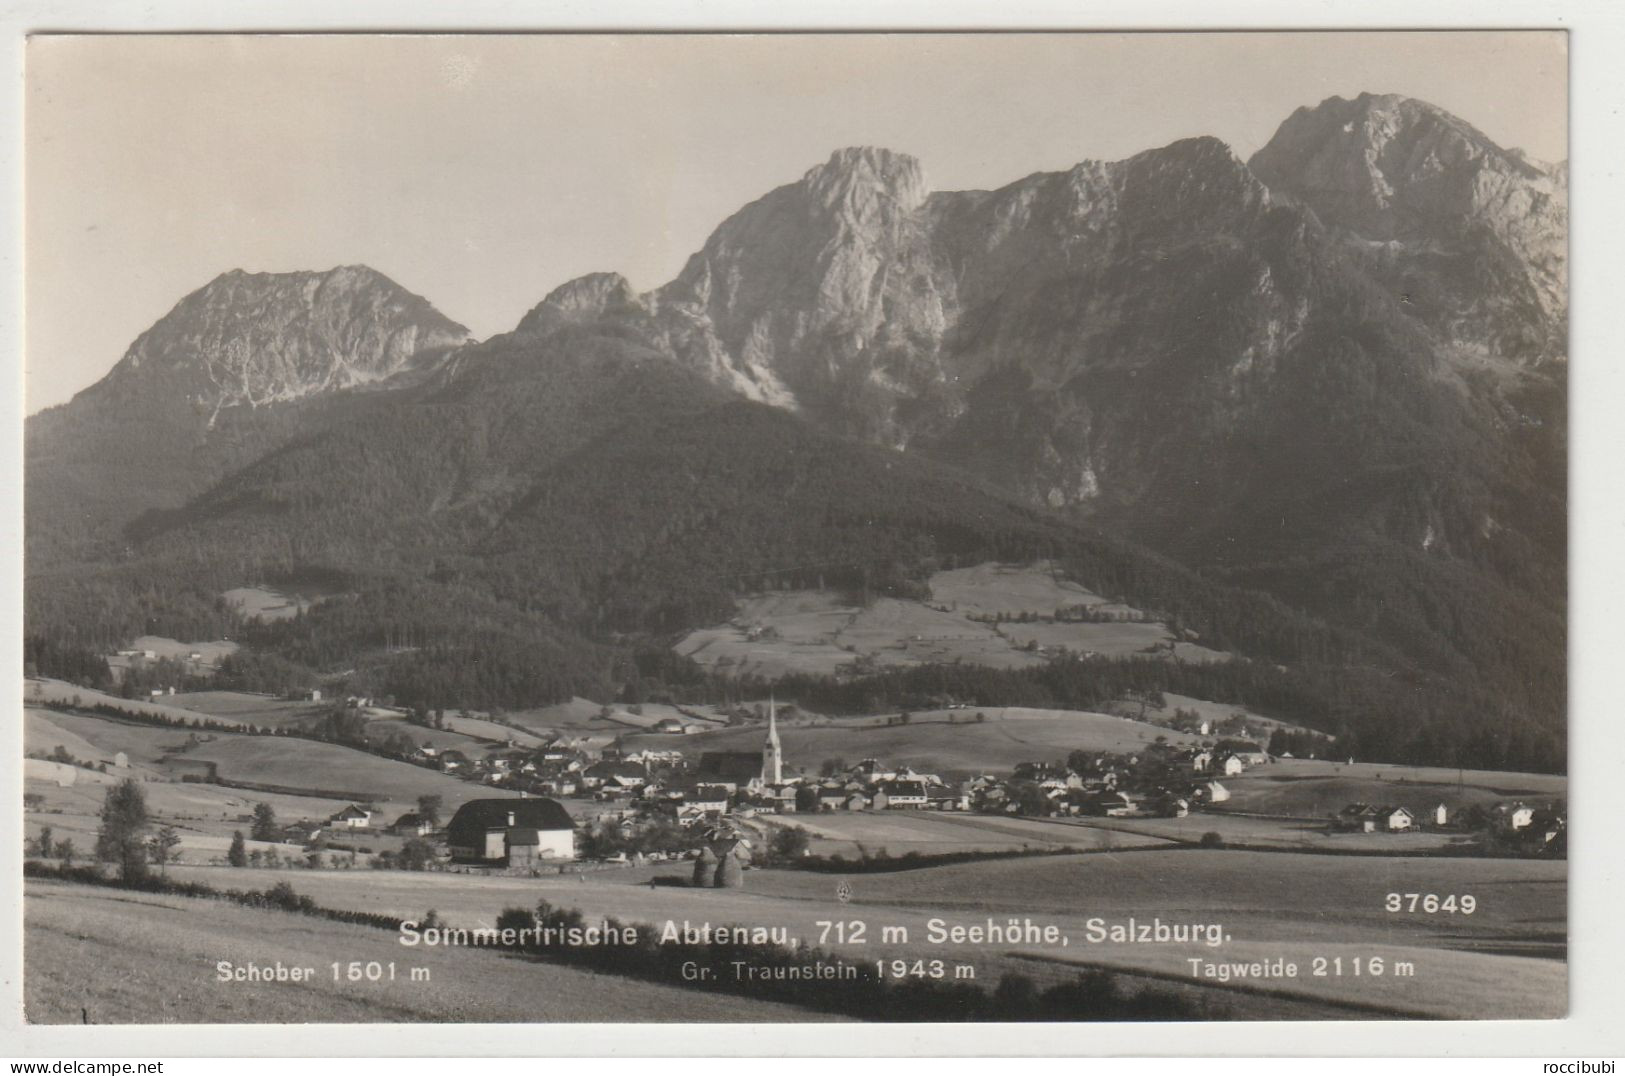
<point x="583" y="801"/>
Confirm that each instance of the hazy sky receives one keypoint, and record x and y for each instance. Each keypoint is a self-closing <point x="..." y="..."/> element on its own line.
<point x="482" y="171"/>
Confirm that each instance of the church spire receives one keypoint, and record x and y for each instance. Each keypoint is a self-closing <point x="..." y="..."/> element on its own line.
<point x="772" y="753"/>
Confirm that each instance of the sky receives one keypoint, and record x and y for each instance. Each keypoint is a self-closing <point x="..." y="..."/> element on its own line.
<point x="483" y="171"/>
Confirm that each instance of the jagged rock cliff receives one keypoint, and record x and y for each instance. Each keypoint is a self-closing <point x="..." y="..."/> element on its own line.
<point x="1473" y="237"/>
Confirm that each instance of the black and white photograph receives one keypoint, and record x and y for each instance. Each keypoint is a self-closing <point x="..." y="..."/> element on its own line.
<point x="923" y="528"/>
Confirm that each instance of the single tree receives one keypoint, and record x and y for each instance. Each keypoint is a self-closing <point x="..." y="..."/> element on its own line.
<point x="66" y="852"/>
<point x="238" y="854"/>
<point x="789" y="842"/>
<point x="416" y="854"/>
<point x="264" y="827"/>
<point x="429" y="808"/>
<point x="162" y="846"/>
<point x="122" y="837"/>
<point x="42" y="844"/>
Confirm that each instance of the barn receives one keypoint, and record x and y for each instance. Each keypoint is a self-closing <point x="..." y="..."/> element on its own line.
<point x="510" y="832"/>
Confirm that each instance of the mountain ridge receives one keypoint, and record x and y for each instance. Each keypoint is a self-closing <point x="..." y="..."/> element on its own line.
<point x="1227" y="375"/>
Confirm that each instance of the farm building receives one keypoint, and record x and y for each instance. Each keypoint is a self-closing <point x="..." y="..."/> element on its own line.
<point x="1110" y="804"/>
<point x="510" y="832"/>
<point x="121" y="760"/>
<point x="1514" y="816"/>
<point x="668" y="724"/>
<point x="352" y="817"/>
<point x="1398" y="819"/>
<point x="1231" y="765"/>
<point x="894" y="795"/>
<point x="301" y="832"/>
<point x="703" y="801"/>
<point x="832" y="799"/>
<point x="412" y="824"/>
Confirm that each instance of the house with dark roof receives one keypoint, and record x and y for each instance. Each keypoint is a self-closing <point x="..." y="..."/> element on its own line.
<point x="412" y="824"/>
<point x="622" y="776"/>
<point x="352" y="817"/>
<point x="731" y="769"/>
<point x="510" y="832"/>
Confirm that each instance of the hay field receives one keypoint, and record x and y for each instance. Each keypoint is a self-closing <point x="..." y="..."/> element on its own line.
<point x="991" y="589"/>
<point x="60" y="691"/>
<point x="209" y="651"/>
<point x="381" y="727"/>
<point x="310" y="765"/>
<point x="244" y="708"/>
<point x="147" y="746"/>
<point x="42" y="731"/>
<point x="111" y="957"/>
<point x="816" y="632"/>
<point x="268" y="604"/>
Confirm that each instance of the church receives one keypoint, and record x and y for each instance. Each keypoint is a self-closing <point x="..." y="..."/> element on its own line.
<point x="772" y="752"/>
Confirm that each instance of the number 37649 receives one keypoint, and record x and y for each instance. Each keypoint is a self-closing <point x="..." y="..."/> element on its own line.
<point x="1432" y="903"/>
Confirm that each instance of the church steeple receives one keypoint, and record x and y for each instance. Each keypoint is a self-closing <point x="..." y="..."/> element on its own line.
<point x="772" y="753"/>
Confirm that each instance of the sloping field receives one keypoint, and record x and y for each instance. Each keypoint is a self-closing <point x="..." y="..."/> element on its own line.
<point x="244" y="708"/>
<point x="1211" y="711"/>
<point x="492" y="730"/>
<point x="110" y="957"/>
<point x="441" y="740"/>
<point x="1012" y="589"/>
<point x="45" y="690"/>
<point x="268" y="604"/>
<point x="145" y="745"/>
<point x="283" y="761"/>
<point x="204" y="815"/>
<point x="1107" y="640"/>
<point x="209" y="651"/>
<point x="813" y="632"/>
<point x="1319" y="788"/>
<point x="937" y="739"/>
<point x="1495" y="963"/>
<point x="42" y="732"/>
<point x="306" y="764"/>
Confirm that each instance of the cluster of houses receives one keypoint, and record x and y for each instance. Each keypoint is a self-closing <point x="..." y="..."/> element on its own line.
<point x="1513" y="823"/>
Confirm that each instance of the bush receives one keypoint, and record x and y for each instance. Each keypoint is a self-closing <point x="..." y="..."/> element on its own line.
<point x="1212" y="839"/>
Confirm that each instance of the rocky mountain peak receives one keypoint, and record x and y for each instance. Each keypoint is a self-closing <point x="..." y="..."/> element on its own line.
<point x="1416" y="190"/>
<point x="261" y="338"/>
<point x="580" y="301"/>
<point x="1385" y="164"/>
<point x="861" y="181"/>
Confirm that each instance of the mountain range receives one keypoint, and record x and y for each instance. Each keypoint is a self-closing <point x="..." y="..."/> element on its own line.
<point x="1326" y="385"/>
